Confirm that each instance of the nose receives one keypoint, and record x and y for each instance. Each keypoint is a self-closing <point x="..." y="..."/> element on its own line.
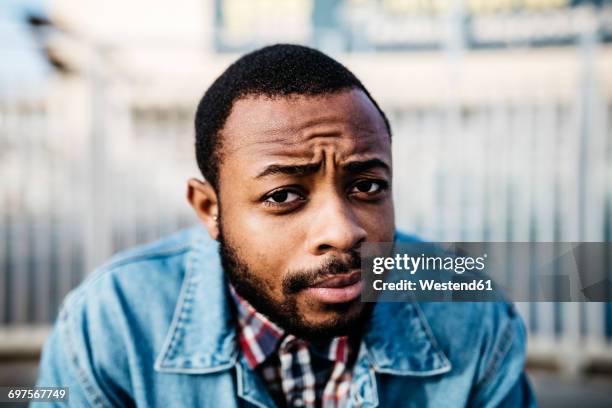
<point x="335" y="228"/>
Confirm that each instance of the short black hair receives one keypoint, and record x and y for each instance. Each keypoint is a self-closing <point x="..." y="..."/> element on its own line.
<point x="276" y="70"/>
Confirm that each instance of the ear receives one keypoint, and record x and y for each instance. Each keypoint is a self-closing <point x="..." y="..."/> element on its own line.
<point x="203" y="198"/>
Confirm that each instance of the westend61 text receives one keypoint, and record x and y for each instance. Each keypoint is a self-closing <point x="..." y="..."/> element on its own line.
<point x="430" y="284"/>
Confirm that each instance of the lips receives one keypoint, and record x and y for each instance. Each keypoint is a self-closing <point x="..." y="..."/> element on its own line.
<point x="337" y="289"/>
<point x="339" y="281"/>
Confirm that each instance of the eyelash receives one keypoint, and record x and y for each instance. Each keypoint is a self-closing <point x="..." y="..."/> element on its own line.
<point x="289" y="190"/>
<point x="382" y="186"/>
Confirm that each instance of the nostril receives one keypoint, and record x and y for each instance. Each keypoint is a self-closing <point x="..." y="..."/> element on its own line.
<point x="324" y="247"/>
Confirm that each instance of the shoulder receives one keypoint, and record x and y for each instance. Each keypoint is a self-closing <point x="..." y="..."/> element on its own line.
<point x="458" y="323"/>
<point x="114" y="323"/>
<point x="134" y="294"/>
<point x="477" y="337"/>
<point x="137" y="270"/>
<point x="403" y="237"/>
<point x="469" y="321"/>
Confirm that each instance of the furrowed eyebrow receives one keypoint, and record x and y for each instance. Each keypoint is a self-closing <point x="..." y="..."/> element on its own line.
<point x="362" y="166"/>
<point x="308" y="169"/>
<point x="291" y="170"/>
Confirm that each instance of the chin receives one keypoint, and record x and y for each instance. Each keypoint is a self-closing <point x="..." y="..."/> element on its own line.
<point x="332" y="320"/>
<point x="320" y="311"/>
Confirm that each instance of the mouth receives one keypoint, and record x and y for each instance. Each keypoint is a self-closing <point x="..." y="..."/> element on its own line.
<point x="337" y="289"/>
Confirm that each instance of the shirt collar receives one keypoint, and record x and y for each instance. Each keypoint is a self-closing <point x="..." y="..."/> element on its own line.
<point x="202" y="335"/>
<point x="259" y="338"/>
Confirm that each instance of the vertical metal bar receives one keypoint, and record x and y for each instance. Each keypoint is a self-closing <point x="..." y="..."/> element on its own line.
<point x="573" y="312"/>
<point x="43" y="180"/>
<point x="546" y="159"/>
<point x="592" y="173"/>
<point x="19" y="233"/>
<point x="4" y="220"/>
<point x="97" y="223"/>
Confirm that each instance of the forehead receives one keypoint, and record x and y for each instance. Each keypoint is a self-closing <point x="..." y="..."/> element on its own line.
<point x="264" y="127"/>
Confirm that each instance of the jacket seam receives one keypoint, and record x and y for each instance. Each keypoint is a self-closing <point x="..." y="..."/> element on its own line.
<point x="146" y="254"/>
<point x="104" y="270"/>
<point x="94" y="397"/>
<point x="171" y="341"/>
<point x="499" y="355"/>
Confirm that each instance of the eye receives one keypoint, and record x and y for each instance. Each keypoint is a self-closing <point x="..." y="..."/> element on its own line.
<point x="282" y="197"/>
<point x="367" y="186"/>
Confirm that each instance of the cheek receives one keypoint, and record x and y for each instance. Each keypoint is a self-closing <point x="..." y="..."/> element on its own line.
<point x="263" y="243"/>
<point x="270" y="238"/>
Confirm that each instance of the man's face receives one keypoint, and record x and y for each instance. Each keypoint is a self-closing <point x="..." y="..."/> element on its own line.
<point x="304" y="181"/>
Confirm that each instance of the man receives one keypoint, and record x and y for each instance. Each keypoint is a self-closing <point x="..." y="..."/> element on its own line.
<point x="261" y="307"/>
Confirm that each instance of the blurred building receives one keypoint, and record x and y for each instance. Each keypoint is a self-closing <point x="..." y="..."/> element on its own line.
<point x="501" y="112"/>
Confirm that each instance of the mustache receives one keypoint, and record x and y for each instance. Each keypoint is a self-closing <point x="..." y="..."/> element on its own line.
<point x="303" y="279"/>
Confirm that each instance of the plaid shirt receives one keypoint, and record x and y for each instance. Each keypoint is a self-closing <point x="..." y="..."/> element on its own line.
<point x="297" y="373"/>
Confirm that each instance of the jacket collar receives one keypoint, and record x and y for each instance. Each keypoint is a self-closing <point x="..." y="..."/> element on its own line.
<point x="202" y="336"/>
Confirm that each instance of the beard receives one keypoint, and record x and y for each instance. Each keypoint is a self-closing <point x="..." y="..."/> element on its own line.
<point x="347" y="318"/>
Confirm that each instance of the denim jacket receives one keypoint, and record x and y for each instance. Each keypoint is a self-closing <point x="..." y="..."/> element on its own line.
<point x="153" y="328"/>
